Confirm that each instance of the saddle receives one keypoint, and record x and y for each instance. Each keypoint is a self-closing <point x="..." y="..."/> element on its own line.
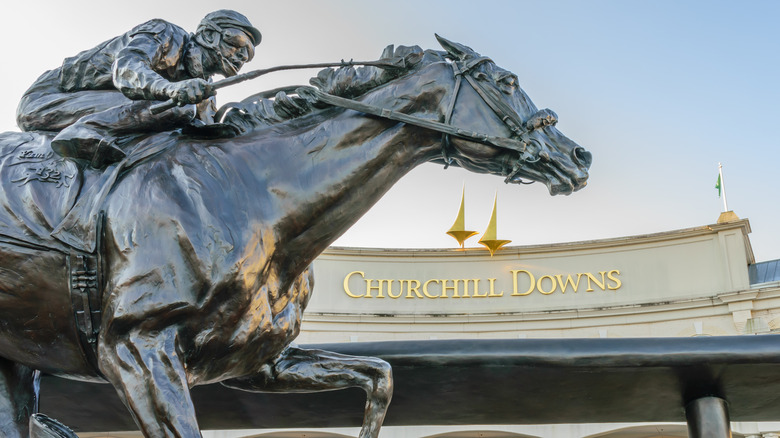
<point x="51" y="202"/>
<point x="37" y="189"/>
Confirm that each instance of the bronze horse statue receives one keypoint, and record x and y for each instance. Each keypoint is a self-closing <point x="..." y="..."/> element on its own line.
<point x="203" y="270"/>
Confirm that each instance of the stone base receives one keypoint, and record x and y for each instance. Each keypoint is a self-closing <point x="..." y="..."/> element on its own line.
<point x="727" y="216"/>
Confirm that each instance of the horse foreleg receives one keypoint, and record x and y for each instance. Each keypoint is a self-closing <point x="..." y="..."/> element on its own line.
<point x="299" y="370"/>
<point x="18" y="398"/>
<point x="151" y="380"/>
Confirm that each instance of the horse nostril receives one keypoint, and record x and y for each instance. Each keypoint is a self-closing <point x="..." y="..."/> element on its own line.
<point x="544" y="155"/>
<point x="582" y="156"/>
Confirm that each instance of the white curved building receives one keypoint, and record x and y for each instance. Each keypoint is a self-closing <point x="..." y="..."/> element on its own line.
<point x="700" y="281"/>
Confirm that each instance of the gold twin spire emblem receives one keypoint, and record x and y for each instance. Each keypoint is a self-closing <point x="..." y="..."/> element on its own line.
<point x="459" y="232"/>
<point x="458" y="229"/>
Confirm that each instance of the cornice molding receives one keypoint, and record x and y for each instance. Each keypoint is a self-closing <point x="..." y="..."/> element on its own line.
<point x="516" y="251"/>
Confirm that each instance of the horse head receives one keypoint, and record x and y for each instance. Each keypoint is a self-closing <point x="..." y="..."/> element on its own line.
<point x="489" y="124"/>
<point x="525" y="141"/>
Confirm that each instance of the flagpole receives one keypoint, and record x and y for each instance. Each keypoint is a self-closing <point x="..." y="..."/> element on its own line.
<point x="723" y="187"/>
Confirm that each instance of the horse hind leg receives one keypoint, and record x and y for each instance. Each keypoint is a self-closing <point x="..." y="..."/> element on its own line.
<point x="18" y="398"/>
<point x="303" y="370"/>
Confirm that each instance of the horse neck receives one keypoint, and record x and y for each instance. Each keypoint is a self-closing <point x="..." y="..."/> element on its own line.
<point x="339" y="163"/>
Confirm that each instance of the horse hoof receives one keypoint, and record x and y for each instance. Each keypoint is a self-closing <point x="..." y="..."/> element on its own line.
<point x="42" y="426"/>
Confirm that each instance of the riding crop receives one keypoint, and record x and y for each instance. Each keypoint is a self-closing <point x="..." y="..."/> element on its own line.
<point x="390" y="64"/>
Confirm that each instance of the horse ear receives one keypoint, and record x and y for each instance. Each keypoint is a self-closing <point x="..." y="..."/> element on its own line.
<point x="457" y="50"/>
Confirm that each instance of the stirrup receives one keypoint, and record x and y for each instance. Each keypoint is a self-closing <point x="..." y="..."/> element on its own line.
<point x="42" y="426"/>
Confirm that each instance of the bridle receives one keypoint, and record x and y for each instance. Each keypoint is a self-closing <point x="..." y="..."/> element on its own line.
<point x="520" y="130"/>
<point x="518" y="141"/>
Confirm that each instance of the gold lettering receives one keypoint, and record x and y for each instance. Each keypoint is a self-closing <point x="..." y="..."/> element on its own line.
<point x="475" y="282"/>
<point x="569" y="281"/>
<point x="390" y="289"/>
<point x="492" y="292"/>
<point x="601" y="284"/>
<point x="465" y="288"/>
<point x="466" y="282"/>
<point x="410" y="288"/>
<point x="453" y="288"/>
<point x="346" y="284"/>
<point x="425" y="289"/>
<point x="541" y="289"/>
<point x="617" y="281"/>
<point x="378" y="288"/>
<point x="514" y="282"/>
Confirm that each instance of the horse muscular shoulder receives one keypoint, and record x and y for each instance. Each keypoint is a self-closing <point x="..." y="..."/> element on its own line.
<point x="185" y="247"/>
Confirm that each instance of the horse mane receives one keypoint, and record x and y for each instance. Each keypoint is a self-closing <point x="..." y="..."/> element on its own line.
<point x="348" y="82"/>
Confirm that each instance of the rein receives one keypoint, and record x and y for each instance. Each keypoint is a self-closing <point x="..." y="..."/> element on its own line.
<point x="518" y="142"/>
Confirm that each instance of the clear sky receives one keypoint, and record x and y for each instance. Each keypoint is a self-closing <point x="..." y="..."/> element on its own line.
<point x="659" y="91"/>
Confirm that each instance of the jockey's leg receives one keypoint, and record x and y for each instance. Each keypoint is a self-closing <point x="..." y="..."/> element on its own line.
<point x="18" y="398"/>
<point x="45" y="107"/>
<point x="95" y="137"/>
<point x="90" y="121"/>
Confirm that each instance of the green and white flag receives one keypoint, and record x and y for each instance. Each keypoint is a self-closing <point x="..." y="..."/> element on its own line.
<point x="718" y="186"/>
<point x="721" y="186"/>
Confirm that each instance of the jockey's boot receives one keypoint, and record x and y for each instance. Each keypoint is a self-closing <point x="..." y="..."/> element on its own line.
<point x="89" y="142"/>
<point x="42" y="426"/>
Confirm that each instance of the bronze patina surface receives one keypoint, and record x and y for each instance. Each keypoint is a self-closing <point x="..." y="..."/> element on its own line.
<point x="204" y="241"/>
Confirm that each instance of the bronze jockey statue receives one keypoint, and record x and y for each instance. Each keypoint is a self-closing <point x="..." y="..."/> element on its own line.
<point x="99" y="98"/>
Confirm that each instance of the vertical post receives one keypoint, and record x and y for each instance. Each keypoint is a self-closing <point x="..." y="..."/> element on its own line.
<point x="708" y="417"/>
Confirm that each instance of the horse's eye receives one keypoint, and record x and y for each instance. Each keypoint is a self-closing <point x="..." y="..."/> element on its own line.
<point x="508" y="81"/>
<point x="508" y="84"/>
<point x="480" y="76"/>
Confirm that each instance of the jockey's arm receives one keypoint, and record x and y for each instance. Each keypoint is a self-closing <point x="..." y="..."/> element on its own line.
<point x="134" y="76"/>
